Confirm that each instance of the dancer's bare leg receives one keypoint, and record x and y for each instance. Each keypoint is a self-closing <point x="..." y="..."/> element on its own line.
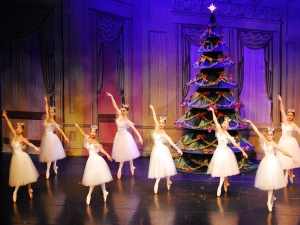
<point x="88" y="197"/>
<point x="270" y="202"/>
<point x="15" y="193"/>
<point x="169" y="182"/>
<point x="105" y="193"/>
<point x="220" y="186"/>
<point x="132" y="168"/>
<point x="55" y="167"/>
<point x="48" y="169"/>
<point x="120" y="170"/>
<point x="156" y="185"/>
<point x="30" y="191"/>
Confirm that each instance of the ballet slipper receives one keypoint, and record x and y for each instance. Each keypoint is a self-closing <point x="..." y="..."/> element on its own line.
<point x="14" y="197"/>
<point x="30" y="192"/>
<point x="219" y="192"/>
<point x="105" y="196"/>
<point x="119" y="174"/>
<point x="132" y="170"/>
<point x="169" y="184"/>
<point x="226" y="186"/>
<point x="155" y="188"/>
<point x="269" y="204"/>
<point x="292" y="178"/>
<point x="55" y="169"/>
<point x="88" y="199"/>
<point x="272" y="200"/>
<point x="47" y="175"/>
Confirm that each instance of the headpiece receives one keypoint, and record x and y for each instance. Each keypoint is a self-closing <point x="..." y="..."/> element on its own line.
<point x="226" y="118"/>
<point x="164" y="118"/>
<point x="291" y="110"/>
<point x="20" y="124"/>
<point x="51" y="107"/>
<point x="94" y="127"/>
<point x="125" y="105"/>
<point x="270" y="129"/>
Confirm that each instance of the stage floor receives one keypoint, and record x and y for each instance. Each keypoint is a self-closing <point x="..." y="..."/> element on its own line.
<point x="191" y="200"/>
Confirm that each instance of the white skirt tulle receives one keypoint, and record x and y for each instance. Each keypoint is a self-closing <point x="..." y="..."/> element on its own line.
<point x="223" y="163"/>
<point x="22" y="170"/>
<point x="96" y="171"/>
<point x="290" y="145"/>
<point x="269" y="175"/>
<point x="51" y="148"/>
<point x="124" y="148"/>
<point x="161" y="163"/>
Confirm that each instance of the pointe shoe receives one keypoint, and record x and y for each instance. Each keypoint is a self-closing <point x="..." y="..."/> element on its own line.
<point x="105" y="196"/>
<point x="47" y="175"/>
<point x="132" y="170"/>
<point x="88" y="199"/>
<point x="292" y="178"/>
<point x="14" y="197"/>
<point x="226" y="186"/>
<point x="119" y="174"/>
<point x="219" y="192"/>
<point x="55" y="169"/>
<point x="272" y="200"/>
<point x="269" y="206"/>
<point x="155" y="188"/>
<point x="169" y="184"/>
<point x="30" y="192"/>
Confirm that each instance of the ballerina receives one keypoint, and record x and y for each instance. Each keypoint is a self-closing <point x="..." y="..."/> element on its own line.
<point x="269" y="175"/>
<point x="51" y="147"/>
<point x="22" y="170"/>
<point x="96" y="170"/>
<point x="161" y="161"/>
<point x="124" y="147"/>
<point x="288" y="142"/>
<point x="223" y="162"/>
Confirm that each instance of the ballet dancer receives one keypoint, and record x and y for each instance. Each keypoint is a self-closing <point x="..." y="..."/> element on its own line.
<point x="22" y="170"/>
<point x="288" y="142"/>
<point x="96" y="170"/>
<point x="161" y="161"/>
<point x="269" y="175"/>
<point x="51" y="147"/>
<point x="223" y="162"/>
<point x="124" y="147"/>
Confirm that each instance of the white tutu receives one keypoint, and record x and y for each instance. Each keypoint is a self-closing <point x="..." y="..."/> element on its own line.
<point x="161" y="161"/>
<point x="22" y="170"/>
<point x="51" y="147"/>
<point x="269" y="175"/>
<point x="124" y="146"/>
<point x="223" y="162"/>
<point x="96" y="170"/>
<point x="290" y="145"/>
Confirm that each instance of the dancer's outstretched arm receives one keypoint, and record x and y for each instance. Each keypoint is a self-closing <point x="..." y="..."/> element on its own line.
<point x="60" y="131"/>
<point x="218" y="126"/>
<point x="136" y="132"/>
<point x="237" y="146"/>
<point x="46" y="106"/>
<point x="284" y="152"/>
<point x="173" y="144"/>
<point x="154" y="115"/>
<point x="260" y="135"/>
<point x="4" y="114"/>
<point x="284" y="117"/>
<point x="105" y="153"/>
<point x="31" y="145"/>
<point x="80" y="130"/>
<point x="114" y="103"/>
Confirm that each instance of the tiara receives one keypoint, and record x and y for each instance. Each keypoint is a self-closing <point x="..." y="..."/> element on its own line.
<point x="20" y="124"/>
<point x="270" y="129"/>
<point x="226" y="118"/>
<point x="291" y="110"/>
<point x="94" y="127"/>
<point x="163" y="118"/>
<point x="125" y="105"/>
<point x="51" y="107"/>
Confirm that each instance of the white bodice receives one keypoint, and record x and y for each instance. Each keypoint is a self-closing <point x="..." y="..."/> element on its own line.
<point x="122" y="126"/>
<point x="159" y="139"/>
<point x="49" y="128"/>
<point x="17" y="147"/>
<point x="269" y="151"/>
<point x="222" y="140"/>
<point x="287" y="130"/>
<point x="93" y="149"/>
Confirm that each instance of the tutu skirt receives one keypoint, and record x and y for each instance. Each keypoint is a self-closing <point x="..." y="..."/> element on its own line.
<point x="290" y="145"/>
<point x="22" y="170"/>
<point x="269" y="175"/>
<point x="161" y="163"/>
<point x="223" y="163"/>
<point x="51" y="148"/>
<point x="96" y="171"/>
<point x="124" y="147"/>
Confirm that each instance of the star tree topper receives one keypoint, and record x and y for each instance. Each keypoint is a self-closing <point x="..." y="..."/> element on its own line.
<point x="212" y="7"/>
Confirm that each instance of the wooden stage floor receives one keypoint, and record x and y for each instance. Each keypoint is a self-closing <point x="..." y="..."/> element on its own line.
<point x="191" y="200"/>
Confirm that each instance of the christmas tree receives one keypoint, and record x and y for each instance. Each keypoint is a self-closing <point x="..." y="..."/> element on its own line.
<point x="213" y="90"/>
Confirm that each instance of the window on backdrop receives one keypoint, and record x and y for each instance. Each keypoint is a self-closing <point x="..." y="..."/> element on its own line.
<point x="256" y="105"/>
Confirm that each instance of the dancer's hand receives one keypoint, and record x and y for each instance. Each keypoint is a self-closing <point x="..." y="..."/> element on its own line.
<point x="67" y="139"/>
<point x="45" y="98"/>
<point x="151" y="106"/>
<point x="210" y="109"/>
<point x="295" y="160"/>
<point x="109" y="158"/>
<point x="76" y="125"/>
<point x="141" y="141"/>
<point x="246" y="121"/>
<point x="180" y="153"/>
<point x="37" y="150"/>
<point x="4" y="113"/>
<point x="108" y="94"/>
<point x="245" y="155"/>
<point x="279" y="98"/>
